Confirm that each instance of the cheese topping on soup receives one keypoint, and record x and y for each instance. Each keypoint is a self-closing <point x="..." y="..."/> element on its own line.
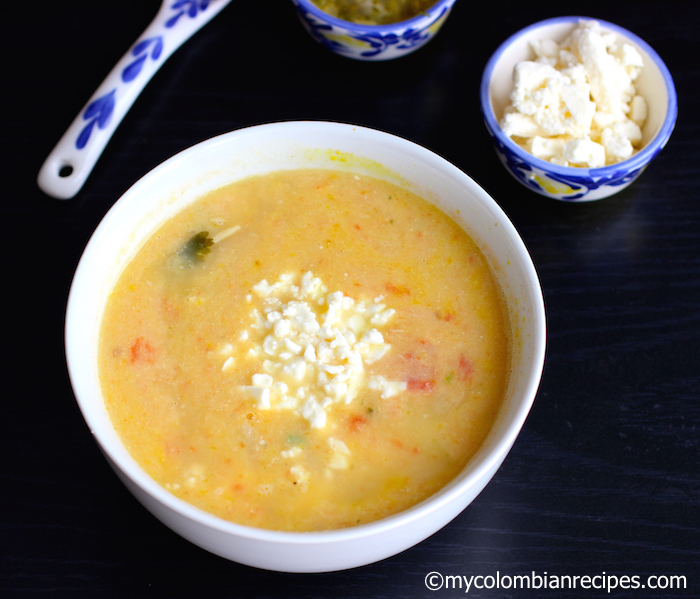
<point x="314" y="347"/>
<point x="305" y="350"/>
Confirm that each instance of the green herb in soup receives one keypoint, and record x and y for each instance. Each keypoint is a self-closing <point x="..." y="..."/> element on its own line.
<point x="338" y="359"/>
<point x="374" y="12"/>
<point x="198" y="247"/>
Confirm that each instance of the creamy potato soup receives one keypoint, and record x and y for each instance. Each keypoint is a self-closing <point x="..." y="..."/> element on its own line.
<point x="305" y="350"/>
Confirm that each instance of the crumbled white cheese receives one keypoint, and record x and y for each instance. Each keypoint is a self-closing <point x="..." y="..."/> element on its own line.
<point x="194" y="474"/>
<point x="584" y="151"/>
<point x="387" y="387"/>
<point x="638" y="110"/>
<point x="299" y="476"/>
<point x="556" y="103"/>
<point x="292" y="452"/>
<point x="259" y="394"/>
<point x="316" y="345"/>
<point x="576" y="104"/>
<point x="340" y="454"/>
<point x="314" y="413"/>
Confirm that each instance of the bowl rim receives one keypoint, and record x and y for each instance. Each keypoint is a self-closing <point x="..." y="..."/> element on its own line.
<point x="451" y="492"/>
<point x="418" y="22"/>
<point x="636" y="161"/>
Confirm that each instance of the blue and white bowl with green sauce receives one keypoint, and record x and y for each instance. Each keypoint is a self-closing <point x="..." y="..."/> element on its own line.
<point x="372" y="42"/>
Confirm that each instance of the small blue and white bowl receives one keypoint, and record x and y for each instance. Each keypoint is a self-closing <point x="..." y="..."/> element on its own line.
<point x="575" y="184"/>
<point x="372" y="42"/>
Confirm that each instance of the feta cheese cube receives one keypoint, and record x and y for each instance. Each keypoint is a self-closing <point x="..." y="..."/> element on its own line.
<point x="584" y="152"/>
<point x="638" y="110"/>
<point x="617" y="145"/>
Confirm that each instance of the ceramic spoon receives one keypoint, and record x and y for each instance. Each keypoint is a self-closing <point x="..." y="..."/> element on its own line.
<point x="70" y="163"/>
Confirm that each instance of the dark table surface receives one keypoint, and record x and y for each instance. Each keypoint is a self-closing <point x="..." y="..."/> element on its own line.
<point x="604" y="477"/>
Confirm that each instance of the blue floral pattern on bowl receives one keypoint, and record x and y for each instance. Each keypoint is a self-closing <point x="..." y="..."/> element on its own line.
<point x="593" y="184"/>
<point x="372" y="42"/>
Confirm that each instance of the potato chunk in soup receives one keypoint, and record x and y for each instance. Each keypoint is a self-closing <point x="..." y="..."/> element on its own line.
<point x="305" y="350"/>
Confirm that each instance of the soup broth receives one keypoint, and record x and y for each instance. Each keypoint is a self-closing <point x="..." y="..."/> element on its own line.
<point x="305" y="350"/>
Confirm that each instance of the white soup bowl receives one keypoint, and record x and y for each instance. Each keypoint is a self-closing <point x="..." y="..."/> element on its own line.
<point x="257" y="150"/>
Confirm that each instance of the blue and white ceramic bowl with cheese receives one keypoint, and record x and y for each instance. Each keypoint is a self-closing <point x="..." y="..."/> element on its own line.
<point x="372" y="42"/>
<point x="569" y="183"/>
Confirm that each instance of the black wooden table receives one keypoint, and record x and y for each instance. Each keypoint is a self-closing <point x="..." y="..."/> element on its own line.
<point x="605" y="476"/>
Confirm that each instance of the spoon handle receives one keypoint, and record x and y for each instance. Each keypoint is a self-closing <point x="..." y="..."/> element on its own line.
<point x="69" y="164"/>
